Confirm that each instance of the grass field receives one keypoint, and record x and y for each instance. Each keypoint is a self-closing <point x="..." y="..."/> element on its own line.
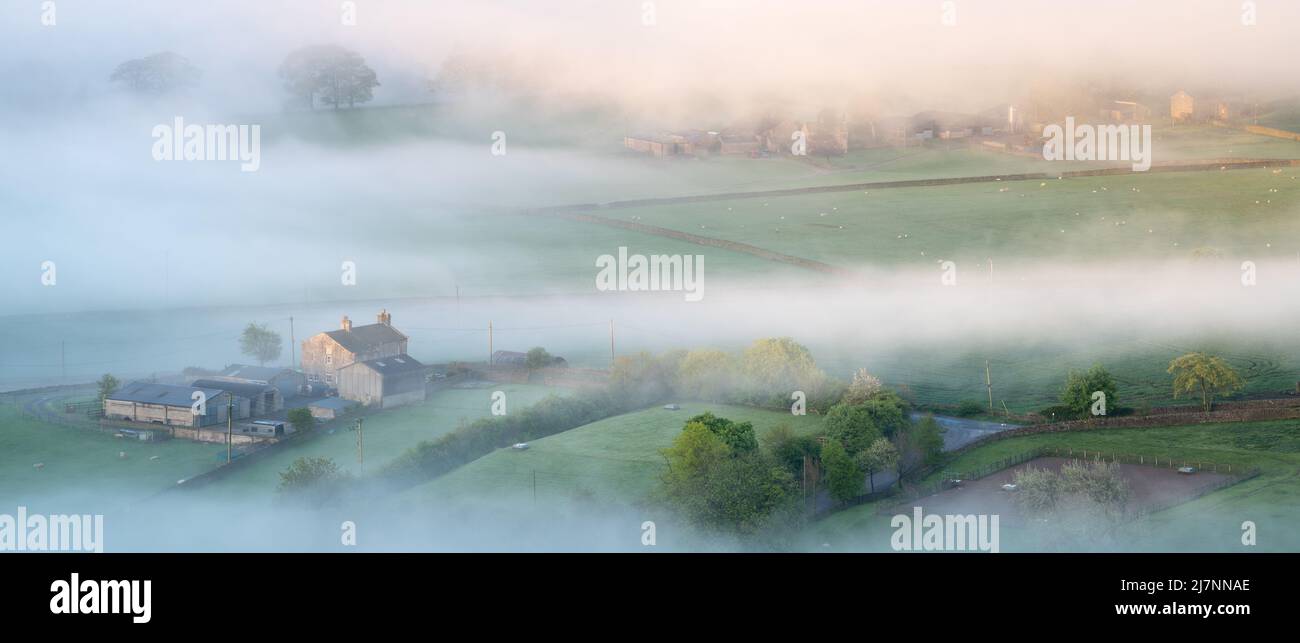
<point x="1211" y="523"/>
<point x="387" y="435"/>
<point x="83" y="471"/>
<point x="615" y="460"/>
<point x="1155" y="216"/>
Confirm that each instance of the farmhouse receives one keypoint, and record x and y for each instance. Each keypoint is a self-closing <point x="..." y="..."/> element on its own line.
<point x="170" y="405"/>
<point x="288" y="381"/>
<point x="263" y="399"/>
<point x="383" y="382"/>
<point x="1181" y="106"/>
<point x="324" y="354"/>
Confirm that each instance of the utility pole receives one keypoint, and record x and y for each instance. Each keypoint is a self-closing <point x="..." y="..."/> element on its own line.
<point x="988" y="381"/>
<point x="361" y="445"/>
<point x="611" y="343"/>
<point x="534" y="485"/>
<point x="230" y="423"/>
<point x="489" y="343"/>
<point x="293" y="353"/>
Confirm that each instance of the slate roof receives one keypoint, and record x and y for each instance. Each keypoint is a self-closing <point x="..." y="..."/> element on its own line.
<point x="395" y="365"/>
<point x="363" y="338"/>
<point x="241" y="389"/>
<point x="246" y="372"/>
<point x="165" y="394"/>
<point x="336" y="403"/>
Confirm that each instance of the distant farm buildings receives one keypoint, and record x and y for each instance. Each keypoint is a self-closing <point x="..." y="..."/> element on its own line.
<point x="323" y="354"/>
<point x="287" y="381"/>
<point x="1181" y="106"/>
<point x="171" y="405"/>
<point x="262" y="398"/>
<point x="368" y="364"/>
<point x="384" y="382"/>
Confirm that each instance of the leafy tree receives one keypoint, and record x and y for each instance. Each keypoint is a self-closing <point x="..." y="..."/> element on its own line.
<point x="864" y="387"/>
<point x="707" y="374"/>
<point x="642" y="379"/>
<point x="1037" y="490"/>
<point x="780" y="364"/>
<point x="789" y="448"/>
<point x="853" y="426"/>
<point x="302" y="419"/>
<point x="1079" y="389"/>
<point x="536" y="358"/>
<point x="107" y="386"/>
<point x="260" y="343"/>
<point x="738" y="436"/>
<point x="888" y="411"/>
<point x="882" y="455"/>
<point x="969" y="408"/>
<point x="928" y="439"/>
<point x="843" y="478"/>
<point x="335" y="75"/>
<point x="1207" y="375"/>
<point x="157" y="74"/>
<point x="313" y="480"/>
<point x="711" y="488"/>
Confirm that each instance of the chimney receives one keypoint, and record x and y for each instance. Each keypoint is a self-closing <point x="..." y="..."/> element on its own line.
<point x="347" y="324"/>
<point x="385" y="318"/>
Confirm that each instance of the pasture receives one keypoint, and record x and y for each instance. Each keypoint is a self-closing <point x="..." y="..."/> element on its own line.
<point x="386" y="435"/>
<point x="616" y="460"/>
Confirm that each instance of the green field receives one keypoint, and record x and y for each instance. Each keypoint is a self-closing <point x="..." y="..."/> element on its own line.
<point x="83" y="470"/>
<point x="1210" y="523"/>
<point x="615" y="460"/>
<point x="386" y="435"/>
<point x="1152" y="217"/>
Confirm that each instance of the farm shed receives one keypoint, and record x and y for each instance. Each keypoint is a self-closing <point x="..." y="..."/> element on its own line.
<point x="263" y="399"/>
<point x="169" y="405"/>
<point x="383" y="382"/>
<point x="289" y="382"/>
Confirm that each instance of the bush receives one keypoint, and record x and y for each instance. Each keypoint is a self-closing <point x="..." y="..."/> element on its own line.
<point x="969" y="408"/>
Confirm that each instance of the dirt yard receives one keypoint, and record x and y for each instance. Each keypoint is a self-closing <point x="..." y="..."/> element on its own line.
<point x="1150" y="485"/>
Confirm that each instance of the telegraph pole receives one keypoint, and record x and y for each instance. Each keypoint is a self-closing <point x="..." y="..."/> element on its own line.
<point x="293" y="353"/>
<point x="361" y="445"/>
<point x="230" y="422"/>
<point x="489" y="343"/>
<point x="988" y="381"/>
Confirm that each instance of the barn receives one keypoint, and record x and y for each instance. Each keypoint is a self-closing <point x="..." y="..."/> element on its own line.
<point x="384" y="382"/>
<point x="170" y="405"/>
<point x="330" y="408"/>
<point x="263" y="399"/>
<point x="288" y="381"/>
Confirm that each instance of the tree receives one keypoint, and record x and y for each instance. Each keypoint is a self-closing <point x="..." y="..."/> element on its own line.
<point x="537" y="358"/>
<point x="853" y="426"/>
<point x="789" y="448"/>
<point x="157" y="74"/>
<point x="1080" y="387"/>
<point x="711" y="488"/>
<point x="882" y="455"/>
<point x="928" y="439"/>
<point x="336" y="75"/>
<point x="313" y="480"/>
<point x="1205" y="374"/>
<point x="302" y="419"/>
<point x="260" y="343"/>
<point x="780" y="364"/>
<point x="706" y="374"/>
<point x="738" y="436"/>
<point x="843" y="478"/>
<point x="107" y="386"/>
<point x="863" y="388"/>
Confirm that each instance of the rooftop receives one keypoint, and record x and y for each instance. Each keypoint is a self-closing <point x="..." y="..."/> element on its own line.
<point x="165" y="394"/>
<point x="363" y="338"/>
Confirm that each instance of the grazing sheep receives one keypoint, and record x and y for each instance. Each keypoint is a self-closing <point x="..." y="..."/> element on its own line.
<point x="38" y="465"/>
